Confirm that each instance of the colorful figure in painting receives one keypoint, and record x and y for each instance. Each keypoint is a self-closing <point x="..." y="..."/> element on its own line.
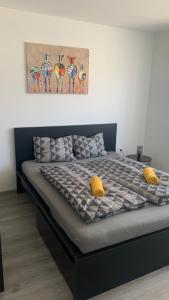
<point x="35" y="73"/>
<point x="72" y="72"/>
<point x="81" y="78"/>
<point x="47" y="72"/>
<point x="59" y="70"/>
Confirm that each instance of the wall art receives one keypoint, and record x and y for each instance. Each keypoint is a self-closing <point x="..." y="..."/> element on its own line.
<point x="56" y="69"/>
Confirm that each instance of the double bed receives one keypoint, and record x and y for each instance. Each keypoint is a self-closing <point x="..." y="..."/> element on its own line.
<point x="97" y="256"/>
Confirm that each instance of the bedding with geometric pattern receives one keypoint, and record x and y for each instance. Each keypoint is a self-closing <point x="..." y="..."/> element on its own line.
<point x="122" y="179"/>
<point x="48" y="149"/>
<point x="88" y="147"/>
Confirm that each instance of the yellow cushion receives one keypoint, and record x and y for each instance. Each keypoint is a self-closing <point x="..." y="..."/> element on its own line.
<point x="97" y="186"/>
<point x="150" y="176"/>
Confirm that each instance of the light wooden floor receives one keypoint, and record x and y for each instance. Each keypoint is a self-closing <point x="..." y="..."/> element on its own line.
<point x="30" y="272"/>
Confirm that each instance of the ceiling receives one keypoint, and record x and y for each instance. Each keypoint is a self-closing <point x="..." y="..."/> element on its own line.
<point x="145" y="15"/>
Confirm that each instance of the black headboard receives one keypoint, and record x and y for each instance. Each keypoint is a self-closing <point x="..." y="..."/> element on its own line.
<point x="24" y="137"/>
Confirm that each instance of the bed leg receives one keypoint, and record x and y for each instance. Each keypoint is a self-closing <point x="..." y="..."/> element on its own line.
<point x="20" y="188"/>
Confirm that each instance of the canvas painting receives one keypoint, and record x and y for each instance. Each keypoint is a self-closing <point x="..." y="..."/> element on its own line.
<point x="57" y="69"/>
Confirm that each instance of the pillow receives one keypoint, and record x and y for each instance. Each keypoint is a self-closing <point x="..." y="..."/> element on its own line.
<point x="50" y="150"/>
<point x="89" y="147"/>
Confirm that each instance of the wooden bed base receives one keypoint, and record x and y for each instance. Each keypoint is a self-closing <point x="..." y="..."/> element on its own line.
<point x="90" y="274"/>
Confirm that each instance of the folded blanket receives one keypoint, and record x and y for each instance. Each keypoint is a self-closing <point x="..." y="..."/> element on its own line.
<point x="73" y="182"/>
<point x="97" y="186"/>
<point x="157" y="194"/>
<point x="150" y="176"/>
<point x="123" y="180"/>
<point x="129" y="173"/>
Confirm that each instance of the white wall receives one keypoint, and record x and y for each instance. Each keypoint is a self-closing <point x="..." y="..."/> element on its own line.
<point x="157" y="133"/>
<point x="120" y="63"/>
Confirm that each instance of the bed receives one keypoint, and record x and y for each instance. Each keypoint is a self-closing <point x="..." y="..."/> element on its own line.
<point x="91" y="264"/>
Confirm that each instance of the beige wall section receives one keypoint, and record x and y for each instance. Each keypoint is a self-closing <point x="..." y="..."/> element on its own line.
<point x="120" y="62"/>
<point x="157" y="133"/>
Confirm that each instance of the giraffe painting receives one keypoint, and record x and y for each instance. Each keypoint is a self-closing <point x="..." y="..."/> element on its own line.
<point x="59" y="70"/>
<point x="72" y="72"/>
<point x="47" y="72"/>
<point x="36" y="75"/>
<point x="56" y="70"/>
<point x="82" y="79"/>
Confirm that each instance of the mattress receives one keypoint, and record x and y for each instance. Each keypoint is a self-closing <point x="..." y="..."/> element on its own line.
<point x="100" y="234"/>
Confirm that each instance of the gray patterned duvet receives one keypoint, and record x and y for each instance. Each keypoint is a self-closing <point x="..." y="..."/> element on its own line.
<point x="95" y="235"/>
<point x="122" y="178"/>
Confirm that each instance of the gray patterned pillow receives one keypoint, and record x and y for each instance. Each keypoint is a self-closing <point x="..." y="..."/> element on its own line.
<point x="89" y="147"/>
<point x="50" y="150"/>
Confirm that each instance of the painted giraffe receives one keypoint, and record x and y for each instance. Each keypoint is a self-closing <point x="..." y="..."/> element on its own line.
<point x="81" y="78"/>
<point x="36" y="74"/>
<point x="59" y="70"/>
<point x="46" y="68"/>
<point x="72" y="72"/>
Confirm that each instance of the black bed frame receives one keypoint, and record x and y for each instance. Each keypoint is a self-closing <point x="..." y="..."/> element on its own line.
<point x="89" y="274"/>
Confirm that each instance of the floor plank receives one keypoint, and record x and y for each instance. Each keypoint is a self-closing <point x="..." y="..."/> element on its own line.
<point x="31" y="273"/>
